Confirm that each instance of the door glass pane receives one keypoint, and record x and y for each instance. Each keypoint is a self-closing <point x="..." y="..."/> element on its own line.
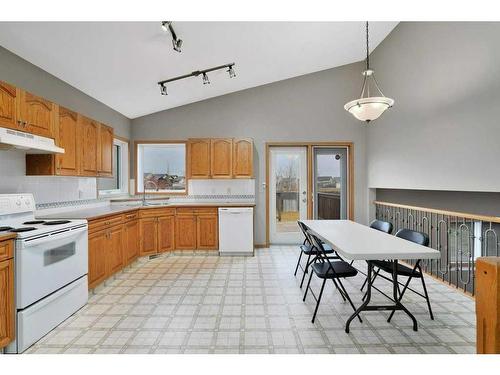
<point x="329" y="183"/>
<point x="287" y="192"/>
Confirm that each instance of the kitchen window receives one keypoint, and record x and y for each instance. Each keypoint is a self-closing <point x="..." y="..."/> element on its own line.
<point x="161" y="167"/>
<point x="118" y="183"/>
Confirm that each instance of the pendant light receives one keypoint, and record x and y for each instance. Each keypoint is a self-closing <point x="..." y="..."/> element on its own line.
<point x="368" y="108"/>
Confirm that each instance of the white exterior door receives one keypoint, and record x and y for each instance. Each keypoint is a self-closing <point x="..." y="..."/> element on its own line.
<point x="287" y="194"/>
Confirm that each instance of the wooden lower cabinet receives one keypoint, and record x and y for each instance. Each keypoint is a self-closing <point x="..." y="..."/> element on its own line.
<point x="185" y="232"/>
<point x="166" y="233"/>
<point x="97" y="258"/>
<point x="207" y="232"/>
<point x="114" y="251"/>
<point x="130" y="241"/>
<point x="148" y="236"/>
<point x="7" y="309"/>
<point x="106" y="249"/>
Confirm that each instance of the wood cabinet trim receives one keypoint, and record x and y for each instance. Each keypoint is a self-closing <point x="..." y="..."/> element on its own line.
<point x="7" y="306"/>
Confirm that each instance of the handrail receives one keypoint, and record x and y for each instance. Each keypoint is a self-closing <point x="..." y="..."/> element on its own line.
<point x="493" y="219"/>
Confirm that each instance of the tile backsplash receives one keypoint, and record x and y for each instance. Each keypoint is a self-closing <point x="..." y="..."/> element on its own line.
<point x="46" y="189"/>
<point x="50" y="191"/>
<point x="221" y="187"/>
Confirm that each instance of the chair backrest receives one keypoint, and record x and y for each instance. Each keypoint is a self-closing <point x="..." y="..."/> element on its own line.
<point x="413" y="236"/>
<point x="383" y="226"/>
<point x="303" y="228"/>
<point x="323" y="256"/>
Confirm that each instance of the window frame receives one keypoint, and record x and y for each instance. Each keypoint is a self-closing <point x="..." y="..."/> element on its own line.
<point x="160" y="142"/>
<point x="123" y="165"/>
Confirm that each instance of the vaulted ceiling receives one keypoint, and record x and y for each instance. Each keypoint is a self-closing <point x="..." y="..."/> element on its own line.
<point x="120" y="63"/>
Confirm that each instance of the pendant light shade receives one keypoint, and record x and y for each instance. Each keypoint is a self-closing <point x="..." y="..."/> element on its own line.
<point x="367" y="107"/>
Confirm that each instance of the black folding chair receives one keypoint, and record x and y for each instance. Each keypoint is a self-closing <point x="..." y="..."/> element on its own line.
<point x="310" y="251"/>
<point x="382" y="226"/>
<point x="328" y="269"/>
<point x="402" y="270"/>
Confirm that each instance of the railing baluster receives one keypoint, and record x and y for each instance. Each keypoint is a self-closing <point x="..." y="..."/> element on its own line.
<point x="454" y="235"/>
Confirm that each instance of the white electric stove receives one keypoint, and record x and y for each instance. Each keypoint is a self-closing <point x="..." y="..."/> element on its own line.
<point x="51" y="266"/>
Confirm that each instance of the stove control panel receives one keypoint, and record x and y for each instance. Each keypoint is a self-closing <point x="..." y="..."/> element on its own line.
<point x="16" y="203"/>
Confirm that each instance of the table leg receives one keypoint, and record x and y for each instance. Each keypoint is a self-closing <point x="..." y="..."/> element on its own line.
<point x="395" y="288"/>
<point x="368" y="297"/>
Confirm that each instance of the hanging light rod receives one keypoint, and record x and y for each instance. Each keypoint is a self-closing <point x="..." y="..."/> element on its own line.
<point x="203" y="73"/>
<point x="176" y="42"/>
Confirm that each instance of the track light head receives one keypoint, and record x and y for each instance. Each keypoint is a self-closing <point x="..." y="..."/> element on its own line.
<point x="177" y="44"/>
<point x="206" y="81"/>
<point x="164" y="25"/>
<point x="231" y="72"/>
<point x="163" y="89"/>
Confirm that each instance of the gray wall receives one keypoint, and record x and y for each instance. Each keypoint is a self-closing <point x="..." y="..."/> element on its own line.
<point x="482" y="203"/>
<point x="22" y="73"/>
<point x="306" y="108"/>
<point x="443" y="132"/>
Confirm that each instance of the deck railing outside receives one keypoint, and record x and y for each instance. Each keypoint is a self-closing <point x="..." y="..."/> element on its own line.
<point x="460" y="238"/>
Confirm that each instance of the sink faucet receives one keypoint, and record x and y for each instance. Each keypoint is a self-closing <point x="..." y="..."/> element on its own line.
<point x="144" y="190"/>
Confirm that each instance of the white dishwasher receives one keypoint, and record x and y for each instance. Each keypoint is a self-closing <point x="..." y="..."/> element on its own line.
<point x="236" y="231"/>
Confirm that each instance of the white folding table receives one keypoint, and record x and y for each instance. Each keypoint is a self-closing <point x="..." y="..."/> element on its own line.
<point x="358" y="242"/>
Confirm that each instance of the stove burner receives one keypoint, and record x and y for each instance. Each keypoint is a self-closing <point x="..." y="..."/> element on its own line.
<point x="4" y="229"/>
<point x="57" y="222"/>
<point x="23" y="229"/>
<point x="34" y="222"/>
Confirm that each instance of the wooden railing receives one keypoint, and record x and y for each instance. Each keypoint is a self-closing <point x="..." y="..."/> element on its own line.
<point x="328" y="206"/>
<point x="460" y="237"/>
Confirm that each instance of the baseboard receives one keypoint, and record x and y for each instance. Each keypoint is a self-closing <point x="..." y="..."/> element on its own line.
<point x="260" y="245"/>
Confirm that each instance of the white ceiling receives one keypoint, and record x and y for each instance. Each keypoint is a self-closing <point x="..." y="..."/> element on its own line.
<point x="120" y="63"/>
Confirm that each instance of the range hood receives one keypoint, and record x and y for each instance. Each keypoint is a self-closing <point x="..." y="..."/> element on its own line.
<point x="24" y="141"/>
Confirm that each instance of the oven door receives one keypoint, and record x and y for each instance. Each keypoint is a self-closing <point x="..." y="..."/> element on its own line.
<point x="46" y="264"/>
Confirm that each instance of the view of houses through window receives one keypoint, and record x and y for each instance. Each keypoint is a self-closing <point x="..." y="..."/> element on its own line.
<point x="161" y="167"/>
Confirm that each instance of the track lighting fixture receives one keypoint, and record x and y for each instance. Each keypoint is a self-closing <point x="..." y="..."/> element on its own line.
<point x="163" y="90"/>
<point x="203" y="73"/>
<point x="176" y="42"/>
<point x="231" y="72"/>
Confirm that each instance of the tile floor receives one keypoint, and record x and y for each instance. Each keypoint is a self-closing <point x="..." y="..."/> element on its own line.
<point x="211" y="304"/>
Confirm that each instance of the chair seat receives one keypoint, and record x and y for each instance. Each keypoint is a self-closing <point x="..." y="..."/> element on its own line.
<point x="401" y="270"/>
<point x="341" y="268"/>
<point x="311" y="250"/>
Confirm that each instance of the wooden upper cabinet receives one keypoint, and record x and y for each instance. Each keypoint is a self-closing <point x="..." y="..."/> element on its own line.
<point x="8" y="113"/>
<point x="67" y="138"/>
<point x="221" y="157"/>
<point x="38" y="115"/>
<point x="242" y="158"/>
<point x="105" y="151"/>
<point x="90" y="132"/>
<point x="199" y="158"/>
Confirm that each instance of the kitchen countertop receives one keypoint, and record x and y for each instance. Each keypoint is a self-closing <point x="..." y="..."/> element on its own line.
<point x="7" y="236"/>
<point x="99" y="212"/>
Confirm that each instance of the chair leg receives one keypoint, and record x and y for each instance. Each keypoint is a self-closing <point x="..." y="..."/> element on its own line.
<point x="373" y="279"/>
<point x="305" y="271"/>
<point x="298" y="263"/>
<point x="340" y="290"/>
<point x="349" y="299"/>
<point x="307" y="287"/>
<point x="426" y="294"/>
<point x="319" y="300"/>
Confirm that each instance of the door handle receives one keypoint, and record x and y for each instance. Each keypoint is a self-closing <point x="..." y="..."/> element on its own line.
<point x="304" y="200"/>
